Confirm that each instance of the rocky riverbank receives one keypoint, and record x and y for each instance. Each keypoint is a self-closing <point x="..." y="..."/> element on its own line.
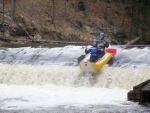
<point x="34" y="23"/>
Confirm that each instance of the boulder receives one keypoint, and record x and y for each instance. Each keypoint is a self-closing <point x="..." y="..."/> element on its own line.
<point x="38" y="37"/>
<point x="140" y="93"/>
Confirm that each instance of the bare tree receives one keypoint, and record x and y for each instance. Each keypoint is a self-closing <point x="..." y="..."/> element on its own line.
<point x="14" y="10"/>
<point x="105" y="13"/>
<point x="74" y="11"/>
<point x="99" y="8"/>
<point x="53" y="8"/>
<point x="3" y="13"/>
<point x="66" y="5"/>
<point x="86" y="7"/>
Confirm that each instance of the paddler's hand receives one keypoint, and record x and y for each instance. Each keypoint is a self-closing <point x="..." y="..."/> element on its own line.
<point x="86" y="48"/>
<point x="104" y="42"/>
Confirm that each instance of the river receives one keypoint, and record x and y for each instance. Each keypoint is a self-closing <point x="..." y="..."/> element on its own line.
<point x="48" y="80"/>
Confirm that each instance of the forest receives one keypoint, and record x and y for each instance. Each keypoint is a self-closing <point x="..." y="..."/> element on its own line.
<point x="75" y="20"/>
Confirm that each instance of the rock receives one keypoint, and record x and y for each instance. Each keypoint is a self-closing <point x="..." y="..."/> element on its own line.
<point x="140" y="93"/>
<point x="131" y="95"/>
<point x="33" y="24"/>
<point x="7" y="35"/>
<point x="145" y="95"/>
<point x="38" y="37"/>
<point x="78" y="24"/>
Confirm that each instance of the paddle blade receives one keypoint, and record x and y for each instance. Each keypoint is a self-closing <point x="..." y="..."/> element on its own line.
<point x="81" y="58"/>
<point x="111" y="50"/>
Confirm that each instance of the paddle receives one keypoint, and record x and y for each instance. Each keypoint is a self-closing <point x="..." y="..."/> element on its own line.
<point x="81" y="58"/>
<point x="111" y="50"/>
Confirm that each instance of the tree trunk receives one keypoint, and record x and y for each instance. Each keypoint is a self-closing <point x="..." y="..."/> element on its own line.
<point x="99" y="8"/>
<point x="137" y="22"/>
<point x="74" y="11"/>
<point x="66" y="6"/>
<point x="53" y="17"/>
<point x="133" y="41"/>
<point x="86" y="7"/>
<point x="131" y="25"/>
<point x="124" y="16"/>
<point x="105" y="13"/>
<point x="14" y="10"/>
<point x="3" y="13"/>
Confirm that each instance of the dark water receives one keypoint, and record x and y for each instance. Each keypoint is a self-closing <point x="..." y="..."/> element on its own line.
<point x="85" y="109"/>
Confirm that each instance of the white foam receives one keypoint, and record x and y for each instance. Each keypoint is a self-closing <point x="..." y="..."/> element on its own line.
<point x="29" y="97"/>
<point x="111" y="77"/>
<point x="26" y="86"/>
<point x="61" y="55"/>
<point x="68" y="55"/>
<point x="133" y="57"/>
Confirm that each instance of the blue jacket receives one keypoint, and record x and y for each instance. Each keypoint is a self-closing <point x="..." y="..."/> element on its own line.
<point x="102" y="44"/>
<point x="106" y="41"/>
<point x="94" y="50"/>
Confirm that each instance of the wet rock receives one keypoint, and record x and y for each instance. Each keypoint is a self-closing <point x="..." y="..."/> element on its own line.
<point x="145" y="95"/>
<point x="140" y="93"/>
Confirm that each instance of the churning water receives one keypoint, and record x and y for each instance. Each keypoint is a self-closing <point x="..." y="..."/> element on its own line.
<point x="49" y="80"/>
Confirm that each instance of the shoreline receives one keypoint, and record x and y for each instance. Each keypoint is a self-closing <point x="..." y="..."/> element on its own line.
<point x="52" y="44"/>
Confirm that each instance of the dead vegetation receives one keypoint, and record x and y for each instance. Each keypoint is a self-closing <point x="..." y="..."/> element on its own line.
<point x="62" y="19"/>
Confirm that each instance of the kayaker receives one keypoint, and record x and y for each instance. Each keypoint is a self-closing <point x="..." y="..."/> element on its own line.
<point x="103" y="43"/>
<point x="94" y="50"/>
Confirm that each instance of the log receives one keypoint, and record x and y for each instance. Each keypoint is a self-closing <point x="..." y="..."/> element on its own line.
<point x="133" y="41"/>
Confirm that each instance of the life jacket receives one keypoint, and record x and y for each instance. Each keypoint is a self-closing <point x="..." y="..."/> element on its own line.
<point x="95" y="51"/>
<point x="102" y="45"/>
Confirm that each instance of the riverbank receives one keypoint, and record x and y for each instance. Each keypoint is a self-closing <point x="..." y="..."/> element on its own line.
<point x="49" y="44"/>
<point x="34" y="22"/>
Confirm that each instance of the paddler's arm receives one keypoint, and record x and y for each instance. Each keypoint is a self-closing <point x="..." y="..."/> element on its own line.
<point x="87" y="51"/>
<point x="99" y="50"/>
<point x="106" y="43"/>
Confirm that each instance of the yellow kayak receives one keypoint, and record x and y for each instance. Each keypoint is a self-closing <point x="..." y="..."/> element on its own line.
<point x="87" y="66"/>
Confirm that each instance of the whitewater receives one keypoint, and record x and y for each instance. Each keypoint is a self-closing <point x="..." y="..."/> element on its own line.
<point x="46" y="80"/>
